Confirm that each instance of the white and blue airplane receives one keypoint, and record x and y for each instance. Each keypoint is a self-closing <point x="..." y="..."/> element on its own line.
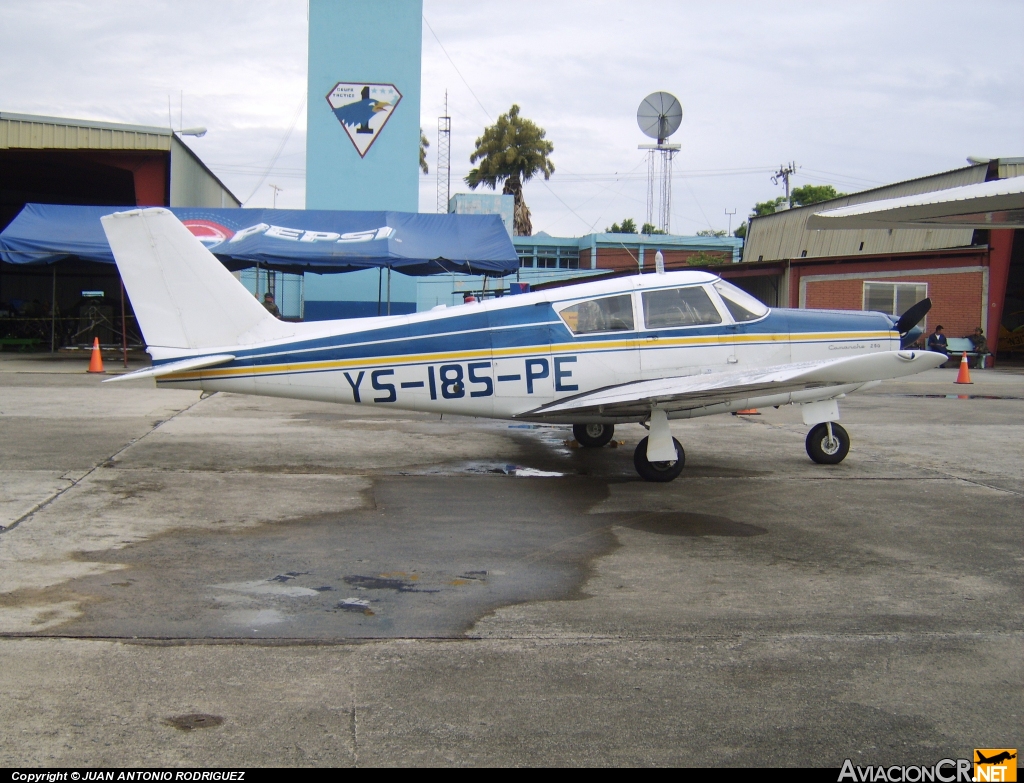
<point x="647" y="349"/>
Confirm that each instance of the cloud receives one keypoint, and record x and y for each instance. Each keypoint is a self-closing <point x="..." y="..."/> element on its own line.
<point x="870" y="92"/>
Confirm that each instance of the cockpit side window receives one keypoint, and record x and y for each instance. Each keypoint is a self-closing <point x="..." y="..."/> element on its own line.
<point x="610" y="314"/>
<point x="741" y="305"/>
<point x="690" y="306"/>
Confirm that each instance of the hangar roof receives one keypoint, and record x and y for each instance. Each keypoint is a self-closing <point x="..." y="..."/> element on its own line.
<point x="995" y="204"/>
<point x="29" y="131"/>
<point x="192" y="182"/>
<point x="786" y="235"/>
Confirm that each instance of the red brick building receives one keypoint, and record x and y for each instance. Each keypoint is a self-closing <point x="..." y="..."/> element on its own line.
<point x="973" y="277"/>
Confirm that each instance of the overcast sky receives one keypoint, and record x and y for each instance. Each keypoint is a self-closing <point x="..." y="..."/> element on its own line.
<point x="858" y="94"/>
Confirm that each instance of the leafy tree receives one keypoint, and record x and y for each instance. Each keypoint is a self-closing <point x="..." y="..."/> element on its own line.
<point x="423" y="153"/>
<point x="650" y="230"/>
<point x="628" y="226"/>
<point x="710" y="232"/>
<point x="801" y="197"/>
<point x="814" y="194"/>
<point x="512" y="151"/>
<point x="704" y="258"/>
<point x="762" y="208"/>
<point x="741" y="232"/>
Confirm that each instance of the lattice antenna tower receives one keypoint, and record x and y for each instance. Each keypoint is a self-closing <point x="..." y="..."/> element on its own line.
<point x="659" y="116"/>
<point x="444" y="158"/>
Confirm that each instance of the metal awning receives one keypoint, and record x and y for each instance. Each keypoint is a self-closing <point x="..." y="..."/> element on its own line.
<point x="985" y="205"/>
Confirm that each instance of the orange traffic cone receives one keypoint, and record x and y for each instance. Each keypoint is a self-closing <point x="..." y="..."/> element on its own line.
<point x="964" y="376"/>
<point x="96" y="361"/>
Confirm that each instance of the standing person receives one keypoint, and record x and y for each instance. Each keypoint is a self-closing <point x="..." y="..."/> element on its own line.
<point x="268" y="302"/>
<point x="937" y="342"/>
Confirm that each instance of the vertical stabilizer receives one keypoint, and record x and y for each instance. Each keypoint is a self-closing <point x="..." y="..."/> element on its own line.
<point x="182" y="295"/>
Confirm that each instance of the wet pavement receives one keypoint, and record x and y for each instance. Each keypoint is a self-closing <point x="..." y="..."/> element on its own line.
<point x="258" y="581"/>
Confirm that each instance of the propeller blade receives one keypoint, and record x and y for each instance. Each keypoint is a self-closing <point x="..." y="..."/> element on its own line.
<point x="913" y="316"/>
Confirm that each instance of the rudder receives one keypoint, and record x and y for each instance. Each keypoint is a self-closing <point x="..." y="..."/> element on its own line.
<point x="182" y="295"/>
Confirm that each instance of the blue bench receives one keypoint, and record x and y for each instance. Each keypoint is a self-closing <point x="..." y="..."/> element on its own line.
<point x="958" y="346"/>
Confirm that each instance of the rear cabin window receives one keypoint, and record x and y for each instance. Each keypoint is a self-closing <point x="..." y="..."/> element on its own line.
<point x="741" y="305"/>
<point x="611" y="314"/>
<point x="689" y="306"/>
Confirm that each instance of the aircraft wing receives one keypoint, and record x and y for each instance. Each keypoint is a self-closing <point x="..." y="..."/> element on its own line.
<point x="195" y="363"/>
<point x="699" y="391"/>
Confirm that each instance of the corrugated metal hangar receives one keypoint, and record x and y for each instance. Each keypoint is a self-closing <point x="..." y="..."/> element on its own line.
<point x="973" y="277"/>
<point x="54" y="160"/>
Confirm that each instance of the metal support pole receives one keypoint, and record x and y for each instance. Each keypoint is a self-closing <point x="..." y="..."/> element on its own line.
<point x="380" y="285"/>
<point x="53" y="313"/>
<point x="389" y="290"/>
<point x="124" y="329"/>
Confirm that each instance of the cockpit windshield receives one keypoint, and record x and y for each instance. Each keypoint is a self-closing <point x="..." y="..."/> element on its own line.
<point x="742" y="306"/>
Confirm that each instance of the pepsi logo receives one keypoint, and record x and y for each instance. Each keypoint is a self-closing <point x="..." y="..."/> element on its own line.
<point x="209" y="233"/>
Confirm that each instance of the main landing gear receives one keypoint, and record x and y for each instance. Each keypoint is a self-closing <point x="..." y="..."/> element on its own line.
<point x="828" y="443"/>
<point x="668" y="455"/>
<point x="660" y="471"/>
<point x="593" y="436"/>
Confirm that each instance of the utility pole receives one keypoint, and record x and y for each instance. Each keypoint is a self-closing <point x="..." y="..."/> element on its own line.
<point x="785" y="171"/>
<point x="276" y="190"/>
<point x="730" y="214"/>
<point x="444" y="158"/>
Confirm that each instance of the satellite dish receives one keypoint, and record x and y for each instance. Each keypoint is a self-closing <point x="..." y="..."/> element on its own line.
<point x="659" y="115"/>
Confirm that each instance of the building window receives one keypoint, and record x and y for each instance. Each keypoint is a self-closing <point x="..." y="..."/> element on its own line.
<point x="893" y="298"/>
<point x="549" y="258"/>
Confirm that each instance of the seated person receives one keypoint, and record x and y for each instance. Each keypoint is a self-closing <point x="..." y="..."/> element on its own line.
<point x="980" y="345"/>
<point x="937" y="342"/>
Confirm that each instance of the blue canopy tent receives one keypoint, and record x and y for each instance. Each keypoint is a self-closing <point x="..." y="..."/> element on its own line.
<point x="286" y="240"/>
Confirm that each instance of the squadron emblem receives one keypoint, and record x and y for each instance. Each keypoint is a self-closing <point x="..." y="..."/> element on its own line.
<point x="363" y="110"/>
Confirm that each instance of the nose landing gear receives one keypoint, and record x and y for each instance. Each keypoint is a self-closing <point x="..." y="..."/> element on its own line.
<point x="828" y="443"/>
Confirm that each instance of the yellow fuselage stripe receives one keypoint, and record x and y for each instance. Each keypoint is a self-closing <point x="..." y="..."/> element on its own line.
<point x="497" y="353"/>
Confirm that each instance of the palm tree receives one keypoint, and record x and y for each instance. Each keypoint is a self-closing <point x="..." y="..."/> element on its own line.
<point x="512" y="151"/>
<point x="423" y="153"/>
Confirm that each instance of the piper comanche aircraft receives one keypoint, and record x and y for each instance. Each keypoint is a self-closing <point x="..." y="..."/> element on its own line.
<point x="646" y="349"/>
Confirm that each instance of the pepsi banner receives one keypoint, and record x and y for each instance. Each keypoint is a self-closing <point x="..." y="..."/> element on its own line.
<point x="288" y="240"/>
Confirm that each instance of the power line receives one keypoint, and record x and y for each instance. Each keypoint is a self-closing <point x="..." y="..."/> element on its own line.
<point x="277" y="153"/>
<point x="456" y="68"/>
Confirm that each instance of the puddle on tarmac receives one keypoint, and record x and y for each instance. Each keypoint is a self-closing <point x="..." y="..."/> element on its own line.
<point x="477" y="468"/>
<point x="429" y="557"/>
<point x="958" y="396"/>
<point x="671" y="523"/>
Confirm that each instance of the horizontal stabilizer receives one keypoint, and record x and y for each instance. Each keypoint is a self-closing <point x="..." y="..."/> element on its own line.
<point x="698" y="391"/>
<point x="196" y="363"/>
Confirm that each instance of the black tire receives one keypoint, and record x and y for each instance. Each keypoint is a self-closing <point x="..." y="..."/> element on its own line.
<point x="658" y="471"/>
<point x="593" y="436"/>
<point x="821" y="451"/>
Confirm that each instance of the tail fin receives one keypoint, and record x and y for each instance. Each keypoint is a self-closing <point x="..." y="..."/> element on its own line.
<point x="182" y="295"/>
